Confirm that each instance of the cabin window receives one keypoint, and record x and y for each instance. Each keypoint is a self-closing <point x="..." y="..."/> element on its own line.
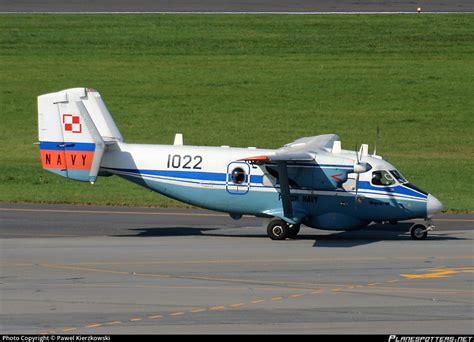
<point x="383" y="178"/>
<point x="238" y="175"/>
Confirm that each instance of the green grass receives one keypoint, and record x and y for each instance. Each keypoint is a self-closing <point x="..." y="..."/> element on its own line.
<point x="246" y="81"/>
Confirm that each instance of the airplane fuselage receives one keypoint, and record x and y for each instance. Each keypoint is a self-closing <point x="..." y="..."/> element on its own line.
<point x="202" y="176"/>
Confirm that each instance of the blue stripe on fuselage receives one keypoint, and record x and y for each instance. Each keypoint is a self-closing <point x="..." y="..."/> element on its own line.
<point x="199" y="176"/>
<point x="194" y="175"/>
<point x="70" y="146"/>
<point x="396" y="190"/>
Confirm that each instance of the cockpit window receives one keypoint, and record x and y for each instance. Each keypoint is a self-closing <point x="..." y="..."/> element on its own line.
<point x="383" y="178"/>
<point x="398" y="176"/>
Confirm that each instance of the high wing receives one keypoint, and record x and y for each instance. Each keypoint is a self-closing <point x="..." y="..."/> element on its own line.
<point x="331" y="168"/>
<point x="303" y="149"/>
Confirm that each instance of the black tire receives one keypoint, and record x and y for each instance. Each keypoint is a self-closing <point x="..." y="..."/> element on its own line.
<point x="277" y="230"/>
<point x="293" y="230"/>
<point x="418" y="232"/>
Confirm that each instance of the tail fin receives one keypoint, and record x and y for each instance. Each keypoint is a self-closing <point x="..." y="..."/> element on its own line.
<point x="74" y="128"/>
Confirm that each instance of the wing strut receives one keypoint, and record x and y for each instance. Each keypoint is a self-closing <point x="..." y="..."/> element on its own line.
<point x="285" y="189"/>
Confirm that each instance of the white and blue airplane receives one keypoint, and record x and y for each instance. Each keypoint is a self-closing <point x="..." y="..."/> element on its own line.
<point x="311" y="181"/>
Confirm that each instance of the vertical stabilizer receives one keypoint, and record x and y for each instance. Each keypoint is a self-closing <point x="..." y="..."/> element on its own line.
<point x="70" y="143"/>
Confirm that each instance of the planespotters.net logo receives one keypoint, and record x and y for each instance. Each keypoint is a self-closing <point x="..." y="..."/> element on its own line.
<point x="404" y="338"/>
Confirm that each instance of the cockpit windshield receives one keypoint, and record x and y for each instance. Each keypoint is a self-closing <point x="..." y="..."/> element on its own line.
<point x="398" y="176"/>
<point x="387" y="178"/>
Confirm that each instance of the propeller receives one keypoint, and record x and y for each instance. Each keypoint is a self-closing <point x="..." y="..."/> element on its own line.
<point x="377" y="136"/>
<point x="358" y="173"/>
<point x="360" y="168"/>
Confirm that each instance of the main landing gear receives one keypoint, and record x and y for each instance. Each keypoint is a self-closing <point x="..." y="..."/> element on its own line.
<point x="420" y="231"/>
<point x="280" y="230"/>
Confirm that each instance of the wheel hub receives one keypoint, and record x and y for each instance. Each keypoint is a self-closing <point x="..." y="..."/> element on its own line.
<point x="277" y="230"/>
<point x="419" y="232"/>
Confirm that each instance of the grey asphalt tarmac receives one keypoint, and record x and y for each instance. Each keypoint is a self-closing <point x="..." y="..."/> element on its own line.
<point x="98" y="270"/>
<point x="235" y="6"/>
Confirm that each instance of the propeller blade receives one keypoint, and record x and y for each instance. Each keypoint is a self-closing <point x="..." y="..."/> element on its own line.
<point x="357" y="154"/>
<point x="360" y="153"/>
<point x="377" y="136"/>
<point x="356" y="198"/>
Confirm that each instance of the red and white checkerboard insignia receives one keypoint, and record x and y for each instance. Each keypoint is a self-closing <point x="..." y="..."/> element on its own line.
<point x="72" y="123"/>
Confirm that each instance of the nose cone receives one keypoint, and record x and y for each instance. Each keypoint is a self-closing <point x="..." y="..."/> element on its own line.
<point x="433" y="206"/>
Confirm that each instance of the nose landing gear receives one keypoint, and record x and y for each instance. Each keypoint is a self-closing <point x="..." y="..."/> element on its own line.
<point x="420" y="231"/>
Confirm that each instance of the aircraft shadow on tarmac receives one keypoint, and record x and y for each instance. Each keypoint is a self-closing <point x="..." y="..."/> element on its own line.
<point x="372" y="234"/>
